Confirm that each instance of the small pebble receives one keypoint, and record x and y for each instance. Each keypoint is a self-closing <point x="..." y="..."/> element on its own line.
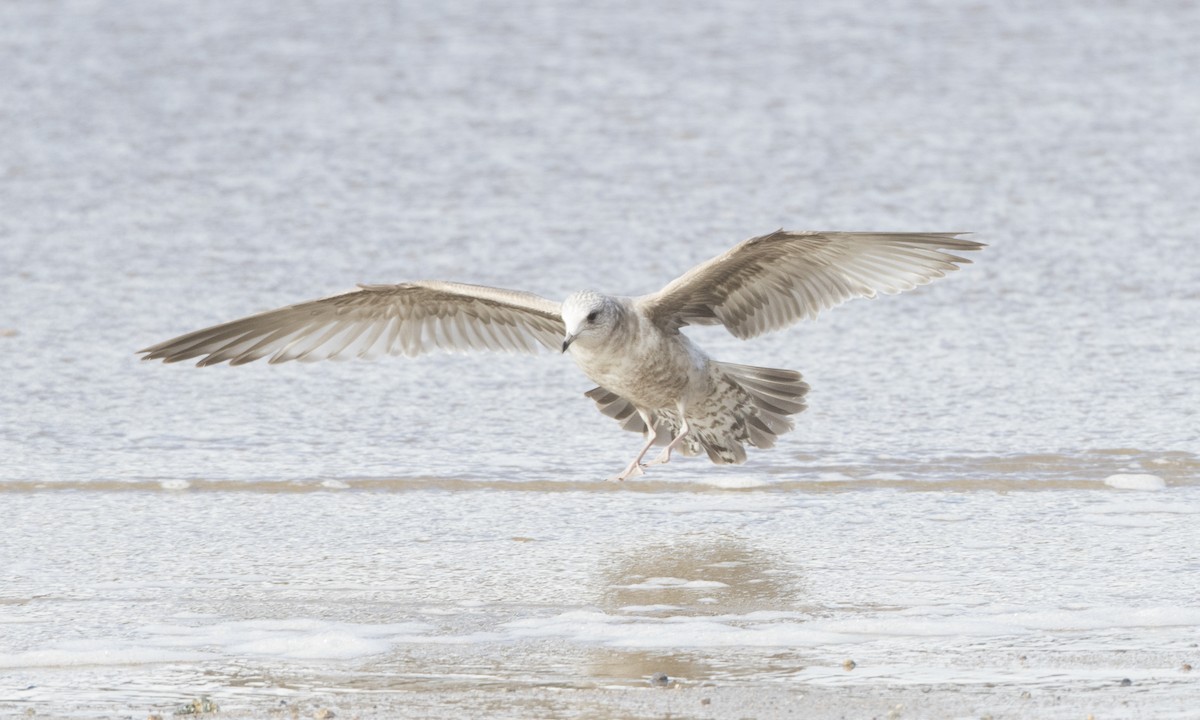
<point x="660" y="679"/>
<point x="849" y="665"/>
<point x="1187" y="667"/>
<point x="323" y="714"/>
<point x="1126" y="682"/>
<point x="200" y="705"/>
<point x="1026" y="695"/>
<point x="705" y="701"/>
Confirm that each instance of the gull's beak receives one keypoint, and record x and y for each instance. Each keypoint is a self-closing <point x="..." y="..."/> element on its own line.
<point x="567" y="342"/>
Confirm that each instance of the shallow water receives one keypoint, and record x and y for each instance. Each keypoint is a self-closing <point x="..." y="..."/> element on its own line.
<point x="256" y="597"/>
<point x="994" y="491"/>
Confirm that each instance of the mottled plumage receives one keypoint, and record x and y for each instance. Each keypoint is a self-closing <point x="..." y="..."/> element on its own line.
<point x="652" y="378"/>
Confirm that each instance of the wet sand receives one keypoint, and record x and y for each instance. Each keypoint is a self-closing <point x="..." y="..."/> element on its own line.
<point x="440" y="603"/>
<point x="764" y="702"/>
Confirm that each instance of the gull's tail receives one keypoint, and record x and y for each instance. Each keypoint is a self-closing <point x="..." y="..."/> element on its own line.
<point x="747" y="404"/>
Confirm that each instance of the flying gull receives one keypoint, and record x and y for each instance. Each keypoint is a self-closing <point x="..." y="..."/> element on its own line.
<point x="652" y="378"/>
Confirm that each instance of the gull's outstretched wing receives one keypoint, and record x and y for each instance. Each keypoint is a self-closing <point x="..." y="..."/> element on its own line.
<point x="372" y="320"/>
<point x="772" y="281"/>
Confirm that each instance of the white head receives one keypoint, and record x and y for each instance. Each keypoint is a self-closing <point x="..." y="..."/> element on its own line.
<point x="590" y="317"/>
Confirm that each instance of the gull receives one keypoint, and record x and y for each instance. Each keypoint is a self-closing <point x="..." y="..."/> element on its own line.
<point x="651" y="378"/>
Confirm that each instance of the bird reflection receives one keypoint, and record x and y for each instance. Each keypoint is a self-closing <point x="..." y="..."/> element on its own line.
<point x="690" y="578"/>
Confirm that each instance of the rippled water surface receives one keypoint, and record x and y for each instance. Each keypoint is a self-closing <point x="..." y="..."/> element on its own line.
<point x="990" y="507"/>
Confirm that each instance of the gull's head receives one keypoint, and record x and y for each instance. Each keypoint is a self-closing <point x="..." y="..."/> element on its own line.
<point x="589" y="317"/>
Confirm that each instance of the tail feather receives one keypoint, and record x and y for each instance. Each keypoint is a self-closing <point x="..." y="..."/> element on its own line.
<point x="754" y="405"/>
<point x="785" y="398"/>
<point x="778" y="392"/>
<point x="761" y="434"/>
<point x="747" y="404"/>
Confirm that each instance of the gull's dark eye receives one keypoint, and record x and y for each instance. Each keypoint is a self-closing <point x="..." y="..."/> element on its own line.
<point x="591" y="318"/>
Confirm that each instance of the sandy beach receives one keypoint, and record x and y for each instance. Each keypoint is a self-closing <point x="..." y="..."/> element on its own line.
<point x="595" y="602"/>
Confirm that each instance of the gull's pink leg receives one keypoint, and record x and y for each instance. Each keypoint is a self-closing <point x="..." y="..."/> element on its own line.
<point x="634" y="468"/>
<point x="665" y="456"/>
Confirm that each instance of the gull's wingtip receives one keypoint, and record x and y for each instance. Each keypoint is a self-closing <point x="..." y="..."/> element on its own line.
<point x="951" y="240"/>
<point x="150" y="352"/>
<point x="961" y="236"/>
<point x="156" y="353"/>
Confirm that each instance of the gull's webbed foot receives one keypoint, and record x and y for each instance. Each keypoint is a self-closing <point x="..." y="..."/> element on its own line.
<point x="663" y="458"/>
<point x="632" y="470"/>
<point x="636" y="467"/>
